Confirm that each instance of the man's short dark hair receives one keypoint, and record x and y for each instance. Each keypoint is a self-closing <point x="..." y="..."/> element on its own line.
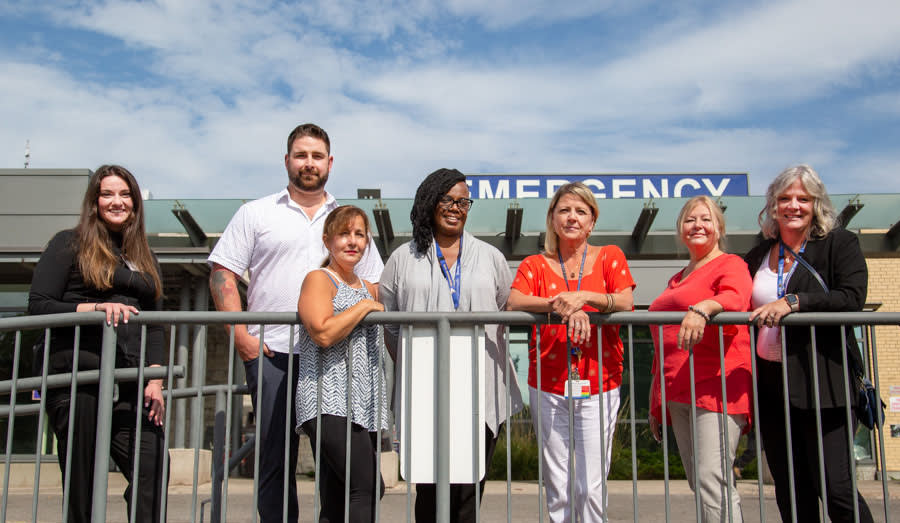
<point x="308" y="129"/>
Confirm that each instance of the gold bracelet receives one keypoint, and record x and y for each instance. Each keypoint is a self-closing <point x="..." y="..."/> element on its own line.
<point x="611" y="302"/>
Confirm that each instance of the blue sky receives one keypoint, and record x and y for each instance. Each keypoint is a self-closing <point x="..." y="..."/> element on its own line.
<point x="197" y="97"/>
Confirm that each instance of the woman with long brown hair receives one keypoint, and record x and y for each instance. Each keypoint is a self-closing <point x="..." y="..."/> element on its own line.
<point x="105" y="264"/>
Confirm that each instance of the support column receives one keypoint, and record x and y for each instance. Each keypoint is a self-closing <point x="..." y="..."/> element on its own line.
<point x="181" y="355"/>
<point x="198" y="371"/>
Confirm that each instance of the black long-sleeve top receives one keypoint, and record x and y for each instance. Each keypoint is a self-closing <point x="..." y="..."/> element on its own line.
<point x="840" y="262"/>
<point x="58" y="286"/>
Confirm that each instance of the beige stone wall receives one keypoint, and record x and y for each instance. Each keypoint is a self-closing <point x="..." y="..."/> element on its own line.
<point x="884" y="287"/>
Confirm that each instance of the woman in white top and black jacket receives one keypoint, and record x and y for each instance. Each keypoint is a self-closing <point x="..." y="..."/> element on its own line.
<point x="798" y="221"/>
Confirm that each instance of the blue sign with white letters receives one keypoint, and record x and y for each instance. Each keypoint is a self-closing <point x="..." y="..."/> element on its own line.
<point x="609" y="185"/>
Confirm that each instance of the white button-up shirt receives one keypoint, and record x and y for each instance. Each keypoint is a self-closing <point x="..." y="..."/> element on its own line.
<point x="279" y="244"/>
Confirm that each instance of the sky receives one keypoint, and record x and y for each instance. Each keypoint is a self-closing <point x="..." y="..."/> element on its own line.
<point x="197" y="97"/>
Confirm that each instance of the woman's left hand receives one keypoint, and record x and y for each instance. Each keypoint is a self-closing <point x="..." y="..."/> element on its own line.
<point x="579" y="328"/>
<point x="770" y="314"/>
<point x="691" y="332"/>
<point x="567" y="303"/>
<point x="153" y="399"/>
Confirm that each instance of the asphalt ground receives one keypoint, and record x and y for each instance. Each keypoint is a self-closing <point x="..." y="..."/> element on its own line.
<point x="521" y="506"/>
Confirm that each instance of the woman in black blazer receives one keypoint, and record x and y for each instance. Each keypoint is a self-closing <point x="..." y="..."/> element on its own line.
<point x="799" y="221"/>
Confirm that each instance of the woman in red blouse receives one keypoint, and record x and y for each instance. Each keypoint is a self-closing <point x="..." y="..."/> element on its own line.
<point x="572" y="278"/>
<point x="712" y="282"/>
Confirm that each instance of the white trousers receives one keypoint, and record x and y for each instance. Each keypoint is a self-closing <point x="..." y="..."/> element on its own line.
<point x="592" y="436"/>
<point x="715" y="457"/>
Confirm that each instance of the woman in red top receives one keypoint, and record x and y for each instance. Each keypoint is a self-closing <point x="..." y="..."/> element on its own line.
<point x="572" y="278"/>
<point x="712" y="282"/>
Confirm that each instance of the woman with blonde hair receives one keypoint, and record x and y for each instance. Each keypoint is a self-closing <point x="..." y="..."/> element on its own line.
<point x="571" y="278"/>
<point x="713" y="281"/>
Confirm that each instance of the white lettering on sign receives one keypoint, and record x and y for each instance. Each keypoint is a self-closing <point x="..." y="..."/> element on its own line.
<point x="651" y="192"/>
<point x="484" y="189"/>
<point x="619" y="188"/>
<point x="521" y="192"/>
<point x="598" y="184"/>
<point x="716" y="190"/>
<point x="681" y="183"/>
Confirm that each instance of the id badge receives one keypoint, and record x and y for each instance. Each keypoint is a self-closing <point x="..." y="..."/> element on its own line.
<point x="578" y="389"/>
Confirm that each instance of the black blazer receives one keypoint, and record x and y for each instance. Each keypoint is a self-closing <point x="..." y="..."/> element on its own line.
<point x="841" y="264"/>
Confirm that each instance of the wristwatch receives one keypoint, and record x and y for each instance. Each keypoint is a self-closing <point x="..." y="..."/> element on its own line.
<point x="793" y="301"/>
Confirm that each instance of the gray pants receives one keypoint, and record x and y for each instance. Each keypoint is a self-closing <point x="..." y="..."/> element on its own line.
<point x="714" y="458"/>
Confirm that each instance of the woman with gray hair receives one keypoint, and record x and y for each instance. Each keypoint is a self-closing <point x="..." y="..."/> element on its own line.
<point x="805" y="262"/>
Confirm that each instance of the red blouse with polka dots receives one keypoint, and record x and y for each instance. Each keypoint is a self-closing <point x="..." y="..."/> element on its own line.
<point x="609" y="274"/>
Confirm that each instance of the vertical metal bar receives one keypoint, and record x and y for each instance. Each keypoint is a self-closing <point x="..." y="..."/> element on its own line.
<point x="40" y="429"/>
<point x="104" y="422"/>
<point x="788" y="426"/>
<point x="603" y="427"/>
<point x="476" y="466"/>
<point x="70" y="429"/>
<point x="219" y="459"/>
<point x="257" y="411"/>
<point x="288" y="427"/>
<point x="317" y="499"/>
<point x="184" y="302"/>
<point x="12" y="423"/>
<point x="139" y="411"/>
<point x="196" y="421"/>
<point x="883" y="464"/>
<point x="506" y="370"/>
<point x="229" y="397"/>
<point x="818" y="408"/>
<point x="759" y="465"/>
<point x="349" y="411"/>
<point x="166" y="431"/>
<point x="663" y="424"/>
<point x="570" y="403"/>
<point x="379" y="387"/>
<point x="634" y="474"/>
<point x="443" y="422"/>
<point x="848" y="411"/>
<point x="407" y="429"/>
<point x="694" y="433"/>
<point x="726" y="442"/>
<point x="540" y="436"/>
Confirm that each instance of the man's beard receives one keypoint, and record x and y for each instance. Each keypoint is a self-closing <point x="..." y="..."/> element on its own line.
<point x="310" y="182"/>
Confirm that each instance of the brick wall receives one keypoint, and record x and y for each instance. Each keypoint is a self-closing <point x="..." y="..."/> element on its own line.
<point x="884" y="287"/>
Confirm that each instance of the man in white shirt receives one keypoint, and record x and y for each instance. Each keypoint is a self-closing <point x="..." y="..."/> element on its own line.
<point x="278" y="240"/>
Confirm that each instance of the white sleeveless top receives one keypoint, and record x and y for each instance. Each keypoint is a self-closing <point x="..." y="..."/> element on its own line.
<point x="765" y="290"/>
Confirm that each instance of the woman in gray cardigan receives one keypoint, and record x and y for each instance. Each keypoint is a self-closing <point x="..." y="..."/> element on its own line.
<point x="445" y="269"/>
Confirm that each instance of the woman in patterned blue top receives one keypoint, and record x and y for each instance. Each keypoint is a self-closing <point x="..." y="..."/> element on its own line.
<point x="335" y="349"/>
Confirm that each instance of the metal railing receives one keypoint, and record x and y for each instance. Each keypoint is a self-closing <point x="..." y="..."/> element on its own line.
<point x="106" y="377"/>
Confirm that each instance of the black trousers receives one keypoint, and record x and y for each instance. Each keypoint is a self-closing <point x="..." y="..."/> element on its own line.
<point x="836" y="451"/>
<point x="462" y="496"/>
<point x="151" y="449"/>
<point x="332" y="471"/>
<point x="271" y="419"/>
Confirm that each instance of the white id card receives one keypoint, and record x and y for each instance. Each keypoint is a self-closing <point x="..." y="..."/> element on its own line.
<point x="578" y="389"/>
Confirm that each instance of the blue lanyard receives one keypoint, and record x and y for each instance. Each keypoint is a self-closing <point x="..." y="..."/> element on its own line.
<point x="562" y="266"/>
<point x="453" y="283"/>
<point x="782" y="281"/>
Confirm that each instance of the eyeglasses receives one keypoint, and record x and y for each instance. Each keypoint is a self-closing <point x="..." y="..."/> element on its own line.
<point x="464" y="204"/>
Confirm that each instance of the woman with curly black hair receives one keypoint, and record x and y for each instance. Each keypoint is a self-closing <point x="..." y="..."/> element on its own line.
<point x="445" y="269"/>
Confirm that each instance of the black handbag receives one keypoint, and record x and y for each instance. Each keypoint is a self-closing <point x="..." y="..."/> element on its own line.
<point x="867" y="410"/>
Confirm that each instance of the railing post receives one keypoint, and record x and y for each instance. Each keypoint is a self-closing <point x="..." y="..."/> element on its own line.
<point x="104" y="423"/>
<point x="218" y="459"/>
<point x="443" y="422"/>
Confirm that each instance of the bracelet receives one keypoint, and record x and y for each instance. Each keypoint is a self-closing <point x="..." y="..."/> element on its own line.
<point x="95" y="307"/>
<point x="610" y="303"/>
<point x="698" y="311"/>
